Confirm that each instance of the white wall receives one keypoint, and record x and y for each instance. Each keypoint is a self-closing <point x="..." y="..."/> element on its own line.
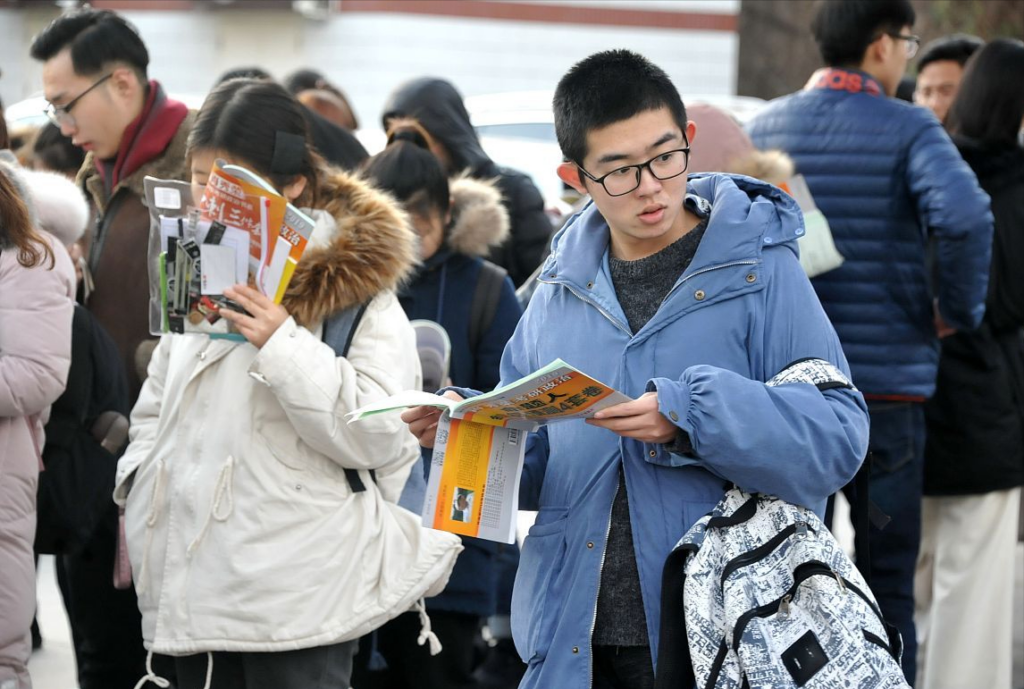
<point x="368" y="55"/>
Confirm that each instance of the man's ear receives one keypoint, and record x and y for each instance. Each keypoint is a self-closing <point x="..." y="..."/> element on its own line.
<point x="125" y="81"/>
<point x="691" y="131"/>
<point x="878" y="51"/>
<point x="570" y="174"/>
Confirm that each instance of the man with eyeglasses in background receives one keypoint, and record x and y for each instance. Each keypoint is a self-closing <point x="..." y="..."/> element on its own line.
<point x="686" y="295"/>
<point x="888" y="180"/>
<point x="94" y="76"/>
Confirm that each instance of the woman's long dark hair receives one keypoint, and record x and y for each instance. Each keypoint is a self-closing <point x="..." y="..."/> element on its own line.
<point x="990" y="102"/>
<point x="16" y="227"/>
<point x="260" y="123"/>
<point x="409" y="171"/>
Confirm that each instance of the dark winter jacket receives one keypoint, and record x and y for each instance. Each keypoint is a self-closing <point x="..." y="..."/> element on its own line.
<point x="75" y="490"/>
<point x="439" y="108"/>
<point x="976" y="418"/>
<point x="442" y="291"/>
<point x="885" y="174"/>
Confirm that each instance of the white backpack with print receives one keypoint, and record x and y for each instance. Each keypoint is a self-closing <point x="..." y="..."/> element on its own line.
<point x="759" y="594"/>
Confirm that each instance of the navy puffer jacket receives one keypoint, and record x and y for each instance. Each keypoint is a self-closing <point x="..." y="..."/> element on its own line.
<point x="887" y="177"/>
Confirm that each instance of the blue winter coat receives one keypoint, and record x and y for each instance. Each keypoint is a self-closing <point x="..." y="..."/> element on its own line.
<point x="739" y="314"/>
<point x="885" y="175"/>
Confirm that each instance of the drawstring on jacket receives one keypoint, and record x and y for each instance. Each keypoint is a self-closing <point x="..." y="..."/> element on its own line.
<point x="156" y="679"/>
<point x="154" y="511"/>
<point x="425" y="633"/>
<point x="224" y="497"/>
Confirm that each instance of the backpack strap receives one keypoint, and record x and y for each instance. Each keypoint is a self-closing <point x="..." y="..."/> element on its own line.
<point x="338" y="332"/>
<point x="674" y="668"/>
<point x="485" y="301"/>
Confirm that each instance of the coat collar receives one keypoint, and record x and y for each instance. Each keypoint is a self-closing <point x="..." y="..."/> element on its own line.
<point x="170" y="164"/>
<point x="746" y="216"/>
<point x="362" y="245"/>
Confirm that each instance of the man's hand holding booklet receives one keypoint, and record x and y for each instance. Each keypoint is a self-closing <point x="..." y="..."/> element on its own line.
<point x="480" y="444"/>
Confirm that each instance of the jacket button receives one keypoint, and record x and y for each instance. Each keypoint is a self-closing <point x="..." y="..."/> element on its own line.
<point x="590" y="285"/>
<point x="575" y="649"/>
<point x="699" y="295"/>
<point x="751" y="277"/>
<point x="672" y="415"/>
<point x="653" y="453"/>
<point x="590" y="544"/>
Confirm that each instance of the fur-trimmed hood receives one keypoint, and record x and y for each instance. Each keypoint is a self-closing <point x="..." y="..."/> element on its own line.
<point x="480" y="221"/>
<point x="362" y="245"/>
<point x="54" y="203"/>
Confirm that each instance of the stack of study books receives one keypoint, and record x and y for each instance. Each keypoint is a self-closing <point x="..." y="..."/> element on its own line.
<point x="238" y="230"/>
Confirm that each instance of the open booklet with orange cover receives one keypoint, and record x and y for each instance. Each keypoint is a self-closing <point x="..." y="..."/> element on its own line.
<point x="473" y="488"/>
<point x="235" y="229"/>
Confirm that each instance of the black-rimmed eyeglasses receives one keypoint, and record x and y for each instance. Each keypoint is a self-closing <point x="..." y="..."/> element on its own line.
<point x="60" y="115"/>
<point x="913" y="42"/>
<point x="623" y="180"/>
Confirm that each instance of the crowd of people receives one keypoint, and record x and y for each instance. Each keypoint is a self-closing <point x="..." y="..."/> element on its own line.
<point x="215" y="521"/>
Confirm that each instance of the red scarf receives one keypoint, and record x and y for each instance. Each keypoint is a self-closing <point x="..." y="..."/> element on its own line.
<point x="147" y="137"/>
<point x="836" y="79"/>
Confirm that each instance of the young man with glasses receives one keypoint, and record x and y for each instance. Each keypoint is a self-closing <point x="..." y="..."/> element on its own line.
<point x="686" y="295"/>
<point x="890" y="182"/>
<point x="94" y="76"/>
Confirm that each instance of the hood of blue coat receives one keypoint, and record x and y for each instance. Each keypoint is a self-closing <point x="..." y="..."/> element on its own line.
<point x="747" y="216"/>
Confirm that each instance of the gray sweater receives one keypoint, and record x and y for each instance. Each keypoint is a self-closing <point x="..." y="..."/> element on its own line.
<point x="640" y="286"/>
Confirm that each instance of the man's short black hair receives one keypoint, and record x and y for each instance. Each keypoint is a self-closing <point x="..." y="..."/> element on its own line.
<point x="97" y="38"/>
<point x="606" y="88"/>
<point x="843" y="29"/>
<point x="957" y="48"/>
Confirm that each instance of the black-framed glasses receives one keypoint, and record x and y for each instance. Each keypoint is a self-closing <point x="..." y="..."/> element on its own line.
<point x="623" y="180"/>
<point x="60" y="115"/>
<point x="913" y="42"/>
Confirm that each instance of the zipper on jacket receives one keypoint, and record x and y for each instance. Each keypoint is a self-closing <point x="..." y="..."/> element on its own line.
<point x="762" y="551"/>
<point x="600" y="574"/>
<point x="802" y="573"/>
<point x="587" y="300"/>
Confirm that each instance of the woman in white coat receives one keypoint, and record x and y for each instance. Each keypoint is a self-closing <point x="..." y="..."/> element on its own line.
<point x="256" y="560"/>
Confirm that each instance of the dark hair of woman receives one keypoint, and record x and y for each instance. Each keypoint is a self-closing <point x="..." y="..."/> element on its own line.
<point x="260" y="125"/>
<point x="409" y="171"/>
<point x="55" y="152"/>
<point x="16" y="227"/>
<point x="988" y="107"/>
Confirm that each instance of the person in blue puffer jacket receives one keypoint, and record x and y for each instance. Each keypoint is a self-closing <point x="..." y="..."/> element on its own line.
<point x="457" y="221"/>
<point x="685" y="295"/>
<point x="889" y="181"/>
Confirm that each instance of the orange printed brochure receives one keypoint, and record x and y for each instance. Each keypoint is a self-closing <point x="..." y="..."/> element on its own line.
<point x="474" y="480"/>
<point x="238" y="203"/>
<point x="295" y="231"/>
<point x="557" y="392"/>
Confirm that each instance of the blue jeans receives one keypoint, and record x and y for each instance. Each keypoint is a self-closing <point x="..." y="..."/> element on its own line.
<point x="897" y="475"/>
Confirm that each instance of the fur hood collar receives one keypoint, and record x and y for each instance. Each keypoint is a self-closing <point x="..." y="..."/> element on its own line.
<point x="362" y="245"/>
<point x="54" y="202"/>
<point x="479" y="220"/>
